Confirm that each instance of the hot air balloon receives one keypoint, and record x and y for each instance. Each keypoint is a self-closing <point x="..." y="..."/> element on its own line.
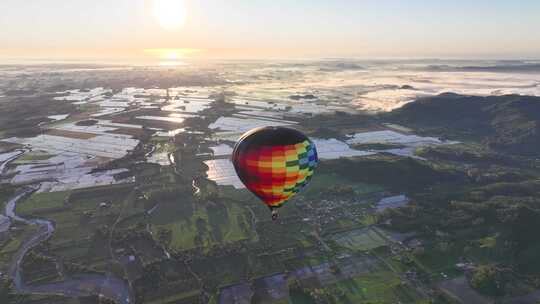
<point x="274" y="163"/>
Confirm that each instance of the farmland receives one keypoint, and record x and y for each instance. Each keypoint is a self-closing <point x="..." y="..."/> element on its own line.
<point x="119" y="184"/>
<point x="361" y="239"/>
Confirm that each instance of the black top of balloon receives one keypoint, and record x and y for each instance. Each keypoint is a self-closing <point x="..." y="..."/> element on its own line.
<point x="273" y="136"/>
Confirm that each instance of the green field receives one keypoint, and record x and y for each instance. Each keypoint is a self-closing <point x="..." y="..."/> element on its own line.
<point x="359" y="239"/>
<point x="32" y="156"/>
<point x="40" y="299"/>
<point x="297" y="296"/>
<point x="9" y="246"/>
<point x="320" y="183"/>
<point x="42" y="201"/>
<point x="378" y="287"/>
<point x="435" y="261"/>
<point x="212" y="226"/>
<point x="77" y="219"/>
<point x="177" y="298"/>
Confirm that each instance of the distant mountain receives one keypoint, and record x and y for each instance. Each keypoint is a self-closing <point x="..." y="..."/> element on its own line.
<point x="509" y="122"/>
<point x="332" y="66"/>
<point x="503" y="67"/>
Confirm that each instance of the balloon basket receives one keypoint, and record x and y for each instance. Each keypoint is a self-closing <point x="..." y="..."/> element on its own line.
<point x="275" y="214"/>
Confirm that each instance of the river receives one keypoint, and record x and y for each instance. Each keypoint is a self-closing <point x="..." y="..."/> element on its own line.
<point x="75" y="286"/>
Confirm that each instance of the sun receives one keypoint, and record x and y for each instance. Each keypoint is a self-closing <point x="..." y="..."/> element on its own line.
<point x="170" y="14"/>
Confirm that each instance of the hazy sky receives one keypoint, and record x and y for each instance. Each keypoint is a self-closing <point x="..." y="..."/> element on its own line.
<point x="277" y="28"/>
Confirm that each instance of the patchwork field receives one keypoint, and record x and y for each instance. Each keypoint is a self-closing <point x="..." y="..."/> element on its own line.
<point x="321" y="182"/>
<point x="81" y="218"/>
<point x="142" y="189"/>
<point x="377" y="287"/>
<point x="9" y="246"/>
<point x="359" y="239"/>
<point x="43" y="201"/>
<point x="206" y="225"/>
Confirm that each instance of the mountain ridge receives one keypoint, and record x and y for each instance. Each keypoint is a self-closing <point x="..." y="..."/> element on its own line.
<point x="509" y="123"/>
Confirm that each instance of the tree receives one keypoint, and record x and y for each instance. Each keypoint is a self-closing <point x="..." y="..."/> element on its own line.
<point x="5" y="290"/>
<point x="104" y="300"/>
<point x="488" y="280"/>
<point x="164" y="236"/>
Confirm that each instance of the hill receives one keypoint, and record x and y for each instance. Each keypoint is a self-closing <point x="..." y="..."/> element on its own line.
<point x="509" y="122"/>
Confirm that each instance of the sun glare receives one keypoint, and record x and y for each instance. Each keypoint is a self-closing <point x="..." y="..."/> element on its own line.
<point x="171" y="57"/>
<point x="171" y="54"/>
<point x="170" y="14"/>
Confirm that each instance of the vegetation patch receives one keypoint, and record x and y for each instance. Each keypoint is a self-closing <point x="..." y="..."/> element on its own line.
<point x="70" y="134"/>
<point x="211" y="224"/>
<point x="44" y="201"/>
<point x="378" y="287"/>
<point x="360" y="239"/>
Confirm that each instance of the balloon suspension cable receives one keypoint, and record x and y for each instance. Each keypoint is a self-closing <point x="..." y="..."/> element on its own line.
<point x="275" y="214"/>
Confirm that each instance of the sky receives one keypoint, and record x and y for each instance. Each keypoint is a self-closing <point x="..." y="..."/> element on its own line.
<point x="270" y="29"/>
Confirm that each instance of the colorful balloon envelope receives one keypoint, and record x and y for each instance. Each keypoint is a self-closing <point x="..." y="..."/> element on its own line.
<point x="274" y="163"/>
